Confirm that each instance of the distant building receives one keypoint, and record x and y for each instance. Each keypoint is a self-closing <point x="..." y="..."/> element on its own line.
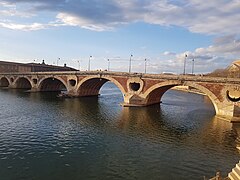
<point x="234" y="69"/>
<point x="31" y="67"/>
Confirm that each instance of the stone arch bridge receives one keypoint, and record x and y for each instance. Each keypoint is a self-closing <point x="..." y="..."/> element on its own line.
<point x="137" y="89"/>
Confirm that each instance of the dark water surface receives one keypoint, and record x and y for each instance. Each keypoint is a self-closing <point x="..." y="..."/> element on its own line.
<point x="44" y="137"/>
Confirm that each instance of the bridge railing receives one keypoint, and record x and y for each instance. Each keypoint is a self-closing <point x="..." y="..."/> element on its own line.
<point x="196" y="78"/>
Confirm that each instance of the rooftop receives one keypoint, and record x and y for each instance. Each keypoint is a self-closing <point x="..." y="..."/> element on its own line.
<point x="36" y="65"/>
<point x="237" y="63"/>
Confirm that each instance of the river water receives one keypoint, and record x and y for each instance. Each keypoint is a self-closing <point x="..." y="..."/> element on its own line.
<point x="45" y="137"/>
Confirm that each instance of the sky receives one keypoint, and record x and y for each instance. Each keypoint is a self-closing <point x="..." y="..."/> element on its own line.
<point x="156" y="34"/>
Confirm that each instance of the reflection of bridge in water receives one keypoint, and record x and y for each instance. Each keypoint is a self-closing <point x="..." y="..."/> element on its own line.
<point x="137" y="89"/>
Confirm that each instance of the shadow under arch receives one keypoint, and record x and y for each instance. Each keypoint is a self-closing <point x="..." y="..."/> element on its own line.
<point x="215" y="101"/>
<point x="154" y="94"/>
<point x="91" y="86"/>
<point x="4" y="82"/>
<point x="52" y="84"/>
<point x="23" y="83"/>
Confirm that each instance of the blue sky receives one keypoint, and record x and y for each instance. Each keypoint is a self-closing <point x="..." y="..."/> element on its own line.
<point x="161" y="31"/>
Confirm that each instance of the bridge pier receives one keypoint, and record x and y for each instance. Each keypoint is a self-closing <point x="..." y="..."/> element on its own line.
<point x="229" y="107"/>
<point x="237" y="110"/>
<point x="34" y="89"/>
<point x="229" y="112"/>
<point x="140" y="101"/>
<point x="134" y="101"/>
<point x="12" y="86"/>
<point x="236" y="113"/>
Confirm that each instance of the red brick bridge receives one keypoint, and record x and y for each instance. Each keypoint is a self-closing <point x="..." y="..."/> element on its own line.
<point x="137" y="89"/>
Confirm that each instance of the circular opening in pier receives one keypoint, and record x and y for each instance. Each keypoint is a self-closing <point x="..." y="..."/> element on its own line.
<point x="11" y="79"/>
<point x="35" y="81"/>
<point x="72" y="82"/>
<point x="134" y="86"/>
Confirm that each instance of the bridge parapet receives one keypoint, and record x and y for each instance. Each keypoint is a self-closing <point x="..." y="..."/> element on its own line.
<point x="124" y="74"/>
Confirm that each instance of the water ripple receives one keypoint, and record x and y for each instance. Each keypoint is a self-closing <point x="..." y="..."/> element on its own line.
<point x="42" y="137"/>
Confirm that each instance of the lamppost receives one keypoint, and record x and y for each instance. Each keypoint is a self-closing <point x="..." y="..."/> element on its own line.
<point x="78" y="65"/>
<point x="130" y="63"/>
<point x="58" y="60"/>
<point x="108" y="65"/>
<point x="33" y="65"/>
<point x="145" y="66"/>
<point x="192" y="66"/>
<point x="89" y="62"/>
<point x="184" y="68"/>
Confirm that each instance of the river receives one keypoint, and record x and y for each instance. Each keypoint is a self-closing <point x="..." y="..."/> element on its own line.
<point x="45" y="137"/>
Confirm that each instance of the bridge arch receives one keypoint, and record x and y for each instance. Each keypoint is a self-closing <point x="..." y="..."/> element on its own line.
<point x="4" y="82"/>
<point x="90" y="86"/>
<point x="154" y="94"/>
<point x="23" y="83"/>
<point x="52" y="84"/>
<point x="215" y="101"/>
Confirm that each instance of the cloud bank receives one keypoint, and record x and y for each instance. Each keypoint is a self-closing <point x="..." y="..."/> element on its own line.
<point x="214" y="17"/>
<point x="219" y="18"/>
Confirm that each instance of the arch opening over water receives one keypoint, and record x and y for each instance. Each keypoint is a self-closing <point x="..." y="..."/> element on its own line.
<point x="155" y="94"/>
<point x="110" y="89"/>
<point x="52" y="85"/>
<point x="23" y="83"/>
<point x="93" y="86"/>
<point x="4" y="82"/>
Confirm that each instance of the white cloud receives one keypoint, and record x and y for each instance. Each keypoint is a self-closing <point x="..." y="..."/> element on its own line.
<point x="6" y="4"/>
<point x="197" y="16"/>
<point x="8" y="9"/>
<point x="28" y="27"/>
<point x="167" y="53"/>
<point x="224" y="50"/>
<point x="71" y="20"/>
<point x="214" y="17"/>
<point x="13" y="26"/>
<point x="223" y="45"/>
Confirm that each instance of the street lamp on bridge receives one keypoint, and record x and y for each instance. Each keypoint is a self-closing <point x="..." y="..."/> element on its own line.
<point x="108" y="65"/>
<point x="145" y="66"/>
<point x="130" y="63"/>
<point x="58" y="60"/>
<point x="79" y="65"/>
<point x="184" y="66"/>
<point x="193" y="66"/>
<point x="89" y="62"/>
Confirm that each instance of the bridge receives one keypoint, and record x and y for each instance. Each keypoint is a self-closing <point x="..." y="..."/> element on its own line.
<point x="137" y="89"/>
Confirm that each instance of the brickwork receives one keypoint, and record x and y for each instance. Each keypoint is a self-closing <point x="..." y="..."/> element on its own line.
<point x="122" y="81"/>
<point x="149" y="83"/>
<point x="214" y="88"/>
